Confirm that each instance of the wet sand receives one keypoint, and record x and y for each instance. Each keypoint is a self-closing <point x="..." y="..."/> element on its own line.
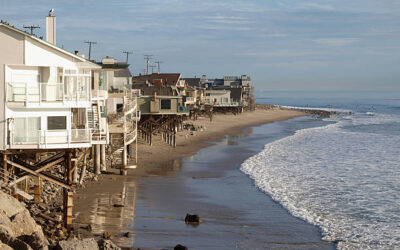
<point x="172" y="182"/>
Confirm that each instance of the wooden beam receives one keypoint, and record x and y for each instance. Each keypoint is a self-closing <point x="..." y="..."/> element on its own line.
<point x="45" y="177"/>
<point x="38" y="170"/>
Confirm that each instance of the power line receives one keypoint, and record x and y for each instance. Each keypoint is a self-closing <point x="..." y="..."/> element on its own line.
<point x="158" y="63"/>
<point x="148" y="57"/>
<point x="152" y="68"/>
<point x="90" y="47"/>
<point x="127" y="54"/>
<point x="32" y="27"/>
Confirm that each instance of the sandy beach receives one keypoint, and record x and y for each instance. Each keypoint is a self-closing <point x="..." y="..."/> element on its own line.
<point x="222" y="124"/>
<point x="147" y="207"/>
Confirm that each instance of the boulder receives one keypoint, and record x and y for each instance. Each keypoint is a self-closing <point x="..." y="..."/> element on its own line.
<point x="107" y="245"/>
<point x="10" y="206"/>
<point x="85" y="244"/>
<point x="192" y="219"/>
<point x="107" y="235"/>
<point x="17" y="228"/>
<point x="35" y="240"/>
<point x="5" y="247"/>
<point x="180" y="247"/>
<point x="6" y="234"/>
<point x="20" y="245"/>
<point x="23" y="224"/>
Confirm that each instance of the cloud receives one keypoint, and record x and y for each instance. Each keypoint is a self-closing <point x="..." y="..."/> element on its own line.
<point x="335" y="42"/>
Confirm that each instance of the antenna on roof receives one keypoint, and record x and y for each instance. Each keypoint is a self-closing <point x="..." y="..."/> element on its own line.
<point x="127" y="54"/>
<point x="32" y="27"/>
<point x="158" y="63"/>
<point x="90" y="47"/>
<point x="147" y="57"/>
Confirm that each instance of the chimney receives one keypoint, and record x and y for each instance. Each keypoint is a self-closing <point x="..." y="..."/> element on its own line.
<point x="51" y="27"/>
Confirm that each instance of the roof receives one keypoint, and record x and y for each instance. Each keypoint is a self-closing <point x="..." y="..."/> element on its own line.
<point x="6" y="25"/>
<point x="170" y="79"/>
<point x="160" y="90"/>
<point x="194" y="82"/>
<point x="117" y="65"/>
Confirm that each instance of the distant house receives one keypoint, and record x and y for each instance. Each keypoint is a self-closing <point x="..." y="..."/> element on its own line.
<point x="191" y="96"/>
<point x="193" y="82"/>
<point x="159" y="100"/>
<point x="158" y="79"/>
<point x="219" y="98"/>
<point x="240" y="86"/>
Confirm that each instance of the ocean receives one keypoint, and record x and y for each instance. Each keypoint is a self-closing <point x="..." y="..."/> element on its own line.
<point x="343" y="174"/>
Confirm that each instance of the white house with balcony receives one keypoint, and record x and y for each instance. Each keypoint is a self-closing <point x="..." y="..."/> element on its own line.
<point x="219" y="98"/>
<point x="46" y="92"/>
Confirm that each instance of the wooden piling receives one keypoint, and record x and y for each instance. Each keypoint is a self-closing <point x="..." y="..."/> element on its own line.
<point x="68" y="196"/>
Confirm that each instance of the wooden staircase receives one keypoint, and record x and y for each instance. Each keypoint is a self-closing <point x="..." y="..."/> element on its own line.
<point x="8" y="182"/>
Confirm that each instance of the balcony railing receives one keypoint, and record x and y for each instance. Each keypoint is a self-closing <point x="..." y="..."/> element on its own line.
<point x="44" y="137"/>
<point x="223" y="104"/>
<point x="48" y="92"/>
<point x="99" y="135"/>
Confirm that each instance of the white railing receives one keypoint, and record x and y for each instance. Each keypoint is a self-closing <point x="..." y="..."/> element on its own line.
<point x="44" y="137"/>
<point x="99" y="135"/>
<point x="222" y="104"/>
<point x="48" y="92"/>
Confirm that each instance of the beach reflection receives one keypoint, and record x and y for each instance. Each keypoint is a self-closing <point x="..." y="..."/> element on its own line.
<point x="109" y="207"/>
<point x="232" y="140"/>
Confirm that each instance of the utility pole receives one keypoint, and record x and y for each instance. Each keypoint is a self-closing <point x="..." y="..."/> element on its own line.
<point x="152" y="68"/>
<point x="147" y="57"/>
<point x="144" y="72"/>
<point x="32" y="27"/>
<point x="127" y="54"/>
<point x="158" y="63"/>
<point x="90" y="47"/>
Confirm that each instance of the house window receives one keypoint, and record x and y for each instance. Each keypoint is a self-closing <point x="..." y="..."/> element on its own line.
<point x="120" y="107"/>
<point x="56" y="122"/>
<point x="26" y="130"/>
<point x="165" y="104"/>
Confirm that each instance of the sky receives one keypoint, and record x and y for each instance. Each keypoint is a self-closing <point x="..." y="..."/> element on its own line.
<point x="283" y="45"/>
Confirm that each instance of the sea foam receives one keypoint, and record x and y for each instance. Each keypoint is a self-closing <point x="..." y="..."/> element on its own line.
<point x="344" y="181"/>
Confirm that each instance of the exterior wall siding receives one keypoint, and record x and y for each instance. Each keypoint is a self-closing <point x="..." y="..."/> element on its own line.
<point x="12" y="52"/>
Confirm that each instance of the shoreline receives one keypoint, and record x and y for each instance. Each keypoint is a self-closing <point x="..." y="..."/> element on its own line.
<point x="222" y="125"/>
<point x="161" y="160"/>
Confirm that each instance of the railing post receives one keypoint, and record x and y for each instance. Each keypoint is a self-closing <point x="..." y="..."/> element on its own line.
<point x="40" y="93"/>
<point x="69" y="137"/>
<point x="63" y="91"/>
<point x="45" y="138"/>
<point x="26" y="94"/>
<point x="77" y="90"/>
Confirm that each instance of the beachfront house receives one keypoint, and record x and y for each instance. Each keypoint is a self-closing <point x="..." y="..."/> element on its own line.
<point x="162" y="112"/>
<point x="219" y="98"/>
<point x="121" y="111"/>
<point x="45" y="103"/>
<point x="46" y="93"/>
<point x="160" y="100"/>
